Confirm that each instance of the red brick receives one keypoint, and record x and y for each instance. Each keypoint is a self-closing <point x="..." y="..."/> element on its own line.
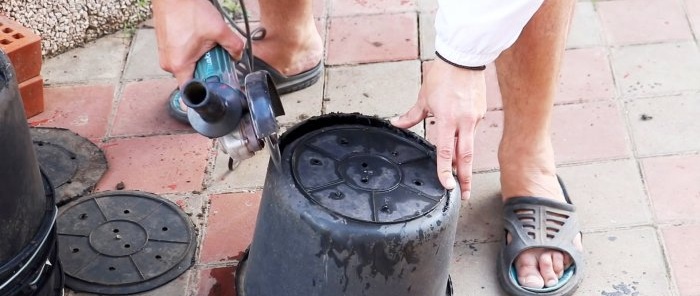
<point x="230" y="227"/>
<point x="32" y="92"/>
<point x="217" y="282"/>
<point x="22" y="46"/>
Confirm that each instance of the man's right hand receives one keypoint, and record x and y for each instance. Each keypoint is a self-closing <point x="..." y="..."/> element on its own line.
<point x="186" y="30"/>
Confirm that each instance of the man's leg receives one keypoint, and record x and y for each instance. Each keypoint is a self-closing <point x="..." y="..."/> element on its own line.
<point x="528" y="74"/>
<point x="292" y="43"/>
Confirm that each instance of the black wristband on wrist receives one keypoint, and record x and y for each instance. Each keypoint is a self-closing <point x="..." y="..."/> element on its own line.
<point x="477" y="68"/>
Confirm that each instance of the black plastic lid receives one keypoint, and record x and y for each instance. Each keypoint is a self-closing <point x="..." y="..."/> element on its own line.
<point x="124" y="242"/>
<point x="367" y="173"/>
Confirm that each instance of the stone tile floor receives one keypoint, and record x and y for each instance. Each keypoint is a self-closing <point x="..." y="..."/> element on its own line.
<point x="626" y="133"/>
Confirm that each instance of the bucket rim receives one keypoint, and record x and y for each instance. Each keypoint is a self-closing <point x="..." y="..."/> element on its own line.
<point x="28" y="255"/>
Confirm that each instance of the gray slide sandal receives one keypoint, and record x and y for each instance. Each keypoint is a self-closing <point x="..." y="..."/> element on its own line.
<point x="535" y="222"/>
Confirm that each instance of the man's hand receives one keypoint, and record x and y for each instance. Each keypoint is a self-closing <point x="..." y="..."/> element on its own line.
<point x="457" y="99"/>
<point x="186" y="30"/>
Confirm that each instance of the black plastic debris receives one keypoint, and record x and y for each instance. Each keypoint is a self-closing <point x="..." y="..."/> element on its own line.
<point x="356" y="209"/>
<point x="124" y="242"/>
<point x="74" y="164"/>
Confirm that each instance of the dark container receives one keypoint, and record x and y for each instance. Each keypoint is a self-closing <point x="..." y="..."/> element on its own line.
<point x="355" y="208"/>
<point x="28" y="255"/>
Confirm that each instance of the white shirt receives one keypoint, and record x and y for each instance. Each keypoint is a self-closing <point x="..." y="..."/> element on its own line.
<point x="474" y="32"/>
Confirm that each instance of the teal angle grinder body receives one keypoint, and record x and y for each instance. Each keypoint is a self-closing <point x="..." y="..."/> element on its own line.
<point x="242" y="118"/>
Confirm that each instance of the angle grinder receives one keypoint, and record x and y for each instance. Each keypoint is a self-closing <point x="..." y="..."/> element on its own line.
<point x="242" y="119"/>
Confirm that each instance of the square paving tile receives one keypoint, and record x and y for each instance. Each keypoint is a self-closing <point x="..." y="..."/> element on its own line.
<point x="217" y="281"/>
<point x="302" y="104"/>
<point x="580" y="133"/>
<point x="665" y="125"/>
<point x="143" y="109"/>
<point x="230" y="227"/>
<point x="473" y="269"/>
<point x="493" y="90"/>
<point x="354" y="7"/>
<point x="585" y="28"/>
<point x="487" y="137"/>
<point x="613" y="261"/>
<point x="589" y="132"/>
<point x="656" y="68"/>
<point x="96" y="61"/>
<point x="622" y="262"/>
<point x="480" y="217"/>
<point x="384" y="89"/>
<point x="682" y="245"/>
<point x="426" y="5"/>
<point x="142" y="61"/>
<point x="672" y="183"/>
<point x="372" y="38"/>
<point x="248" y="175"/>
<point x="636" y="22"/>
<point x="601" y="191"/>
<point x="426" y="22"/>
<point x="159" y="164"/>
<point x="84" y="109"/>
<point x="585" y="76"/>
<point x="692" y="8"/>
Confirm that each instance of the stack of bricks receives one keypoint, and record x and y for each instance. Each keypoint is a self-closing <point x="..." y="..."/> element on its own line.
<point x="23" y="48"/>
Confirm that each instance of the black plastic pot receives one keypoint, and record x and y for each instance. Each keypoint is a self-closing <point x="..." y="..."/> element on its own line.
<point x="356" y="208"/>
<point x="28" y="250"/>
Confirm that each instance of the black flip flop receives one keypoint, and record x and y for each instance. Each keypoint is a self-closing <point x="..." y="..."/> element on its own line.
<point x="535" y="222"/>
<point x="175" y="109"/>
<point x="285" y="84"/>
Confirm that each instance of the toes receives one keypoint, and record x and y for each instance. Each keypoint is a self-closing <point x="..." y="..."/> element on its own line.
<point x="528" y="271"/>
<point x="546" y="265"/>
<point x="558" y="263"/>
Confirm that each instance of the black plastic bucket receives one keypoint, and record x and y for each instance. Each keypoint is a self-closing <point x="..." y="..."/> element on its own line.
<point x="356" y="208"/>
<point x="28" y="248"/>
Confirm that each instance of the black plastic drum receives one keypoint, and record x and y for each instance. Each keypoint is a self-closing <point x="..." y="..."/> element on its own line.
<point x="356" y="208"/>
<point x="28" y="249"/>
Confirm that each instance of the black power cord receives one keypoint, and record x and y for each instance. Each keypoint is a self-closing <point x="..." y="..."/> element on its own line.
<point x="246" y="33"/>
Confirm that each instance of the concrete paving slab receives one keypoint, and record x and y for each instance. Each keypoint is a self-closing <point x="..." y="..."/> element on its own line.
<point x="250" y="174"/>
<point x="625" y="262"/>
<point x="101" y="60"/>
<point x="665" y="125"/>
<point x="656" y="69"/>
<point x="426" y="34"/>
<point x="384" y="89"/>
<point x="142" y="61"/>
<point x="302" y="104"/>
<point x="585" y="28"/>
<point x="601" y="190"/>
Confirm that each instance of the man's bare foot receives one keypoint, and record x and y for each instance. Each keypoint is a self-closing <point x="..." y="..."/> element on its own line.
<point x="290" y="56"/>
<point x="539" y="267"/>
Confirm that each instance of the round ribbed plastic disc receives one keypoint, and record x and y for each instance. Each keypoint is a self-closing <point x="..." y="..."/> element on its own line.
<point x="124" y="242"/>
<point x="367" y="173"/>
<point x="72" y="163"/>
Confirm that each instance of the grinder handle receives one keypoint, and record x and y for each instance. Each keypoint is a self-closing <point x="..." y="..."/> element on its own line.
<point x="216" y="66"/>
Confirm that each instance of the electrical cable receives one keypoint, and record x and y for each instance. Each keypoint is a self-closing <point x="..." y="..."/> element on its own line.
<point x="247" y="33"/>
